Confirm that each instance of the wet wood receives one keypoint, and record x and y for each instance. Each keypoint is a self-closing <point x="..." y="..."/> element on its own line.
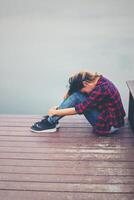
<point x="72" y="163"/>
<point x="67" y="187"/>
<point x="66" y="178"/>
<point x="34" y="195"/>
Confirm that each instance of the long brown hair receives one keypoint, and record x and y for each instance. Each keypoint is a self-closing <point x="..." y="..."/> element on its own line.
<point x="76" y="81"/>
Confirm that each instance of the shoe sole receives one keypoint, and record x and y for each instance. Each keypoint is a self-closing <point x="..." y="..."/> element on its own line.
<point x="48" y="130"/>
<point x="114" y="131"/>
<point x="45" y="131"/>
<point x="57" y="126"/>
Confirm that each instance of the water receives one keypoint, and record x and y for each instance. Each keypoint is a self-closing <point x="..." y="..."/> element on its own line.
<point x="43" y="42"/>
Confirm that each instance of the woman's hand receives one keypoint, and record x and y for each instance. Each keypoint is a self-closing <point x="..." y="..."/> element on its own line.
<point x="62" y="112"/>
<point x="52" y="111"/>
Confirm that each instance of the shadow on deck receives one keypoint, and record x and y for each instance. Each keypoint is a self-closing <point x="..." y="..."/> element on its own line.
<point x="71" y="164"/>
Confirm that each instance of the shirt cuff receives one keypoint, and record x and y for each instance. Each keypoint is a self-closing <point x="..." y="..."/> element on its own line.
<point x="78" y="109"/>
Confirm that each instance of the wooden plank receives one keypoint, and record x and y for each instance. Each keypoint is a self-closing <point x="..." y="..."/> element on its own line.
<point x="73" y="171"/>
<point x="32" y="118"/>
<point x="58" y="139"/>
<point x="81" y="132"/>
<point x="34" y="145"/>
<point x="34" y="195"/>
<point x="62" y="132"/>
<point x="21" y="117"/>
<point x="64" y="150"/>
<point x="28" y="122"/>
<point x="27" y="126"/>
<point x="116" y="144"/>
<point x="67" y="187"/>
<point x="63" y="178"/>
<point x="66" y="163"/>
<point x="73" y="156"/>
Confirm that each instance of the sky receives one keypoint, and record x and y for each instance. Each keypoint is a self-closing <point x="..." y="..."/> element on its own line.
<point x="42" y="42"/>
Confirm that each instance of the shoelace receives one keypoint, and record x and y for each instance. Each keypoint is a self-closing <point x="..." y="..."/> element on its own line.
<point x="44" y="120"/>
<point x="41" y="121"/>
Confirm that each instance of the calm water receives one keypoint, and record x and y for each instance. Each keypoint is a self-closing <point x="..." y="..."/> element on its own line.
<point x="43" y="42"/>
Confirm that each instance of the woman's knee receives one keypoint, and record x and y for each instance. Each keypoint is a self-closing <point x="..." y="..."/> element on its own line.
<point x="79" y="96"/>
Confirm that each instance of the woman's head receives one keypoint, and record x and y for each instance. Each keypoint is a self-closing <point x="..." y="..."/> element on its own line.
<point x="79" y="80"/>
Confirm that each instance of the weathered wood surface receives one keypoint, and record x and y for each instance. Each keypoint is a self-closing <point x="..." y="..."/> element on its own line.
<point x="130" y="85"/>
<point x="72" y="163"/>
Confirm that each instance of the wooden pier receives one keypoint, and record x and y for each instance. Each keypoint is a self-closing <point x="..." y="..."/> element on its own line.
<point x="71" y="164"/>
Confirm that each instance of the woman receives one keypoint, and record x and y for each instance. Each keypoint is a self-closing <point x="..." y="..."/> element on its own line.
<point x="92" y="95"/>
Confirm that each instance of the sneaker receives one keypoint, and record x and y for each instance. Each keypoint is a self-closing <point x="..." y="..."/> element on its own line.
<point x="113" y="129"/>
<point x="43" y="121"/>
<point x="44" y="128"/>
<point x="57" y="126"/>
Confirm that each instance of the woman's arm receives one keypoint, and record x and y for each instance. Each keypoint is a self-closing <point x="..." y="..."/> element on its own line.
<point x="62" y="112"/>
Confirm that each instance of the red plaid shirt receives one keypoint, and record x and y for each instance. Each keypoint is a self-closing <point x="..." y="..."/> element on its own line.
<point x="106" y="99"/>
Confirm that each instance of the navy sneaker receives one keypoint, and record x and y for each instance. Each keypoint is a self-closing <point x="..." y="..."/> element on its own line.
<point x="42" y="121"/>
<point x="45" y="118"/>
<point x="44" y="126"/>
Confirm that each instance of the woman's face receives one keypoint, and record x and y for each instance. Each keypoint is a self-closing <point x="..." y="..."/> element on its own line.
<point x="88" y="87"/>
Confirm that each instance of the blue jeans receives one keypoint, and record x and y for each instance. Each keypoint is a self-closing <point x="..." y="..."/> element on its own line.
<point x="76" y="98"/>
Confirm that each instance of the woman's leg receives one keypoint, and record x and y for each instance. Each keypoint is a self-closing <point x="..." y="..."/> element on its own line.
<point x="92" y="116"/>
<point x="71" y="101"/>
<point x="49" y="124"/>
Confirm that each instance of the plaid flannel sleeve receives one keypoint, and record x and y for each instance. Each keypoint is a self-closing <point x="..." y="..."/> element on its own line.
<point x="95" y="97"/>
